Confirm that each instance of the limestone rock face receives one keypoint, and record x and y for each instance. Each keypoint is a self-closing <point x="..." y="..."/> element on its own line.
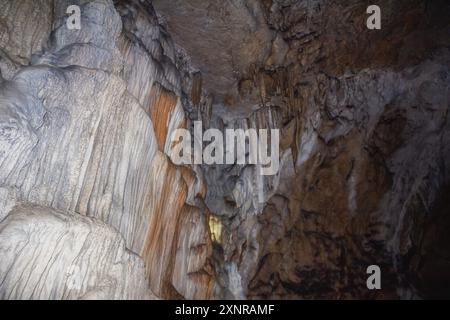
<point x="346" y="199"/>
<point x="48" y="254"/>
<point x="20" y="39"/>
<point x="363" y="117"/>
<point x="86" y="120"/>
<point x="228" y="37"/>
<point x="92" y="205"/>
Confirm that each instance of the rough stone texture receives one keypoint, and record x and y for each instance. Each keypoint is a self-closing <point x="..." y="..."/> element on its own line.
<point x="364" y="139"/>
<point x="233" y="35"/>
<point x="365" y="157"/>
<point x="48" y="254"/>
<point x="20" y="39"/>
<point x="86" y="119"/>
<point x="86" y="128"/>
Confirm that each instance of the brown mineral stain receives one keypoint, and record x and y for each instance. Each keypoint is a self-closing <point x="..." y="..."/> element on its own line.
<point x="162" y="104"/>
<point x="196" y="93"/>
<point x="167" y="223"/>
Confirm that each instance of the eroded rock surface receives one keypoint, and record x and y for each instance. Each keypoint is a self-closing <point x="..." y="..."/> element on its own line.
<point x="86" y="118"/>
<point x="86" y="121"/>
<point x="49" y="254"/>
<point x="364" y="136"/>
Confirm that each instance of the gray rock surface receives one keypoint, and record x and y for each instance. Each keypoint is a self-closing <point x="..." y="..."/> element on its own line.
<point x="85" y="122"/>
<point x="364" y="136"/>
<point x="86" y="174"/>
<point x="49" y="254"/>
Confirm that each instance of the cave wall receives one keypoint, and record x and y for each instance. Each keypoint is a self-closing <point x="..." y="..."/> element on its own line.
<point x="86" y="121"/>
<point x="364" y="143"/>
<point x="91" y="205"/>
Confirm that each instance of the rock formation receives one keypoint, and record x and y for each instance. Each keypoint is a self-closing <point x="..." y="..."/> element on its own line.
<point x="92" y="205"/>
<point x="364" y="139"/>
<point x="38" y="243"/>
<point x="86" y="117"/>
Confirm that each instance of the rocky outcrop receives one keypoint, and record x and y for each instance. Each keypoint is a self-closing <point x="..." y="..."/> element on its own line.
<point x="364" y="135"/>
<point x="364" y="157"/>
<point x="49" y="254"/>
<point x="92" y="205"/>
<point x="86" y="122"/>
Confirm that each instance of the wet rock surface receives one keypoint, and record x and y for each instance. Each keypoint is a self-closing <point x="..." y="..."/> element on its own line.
<point x="364" y="135"/>
<point x="49" y="254"/>
<point x="84" y="129"/>
<point x="86" y="118"/>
